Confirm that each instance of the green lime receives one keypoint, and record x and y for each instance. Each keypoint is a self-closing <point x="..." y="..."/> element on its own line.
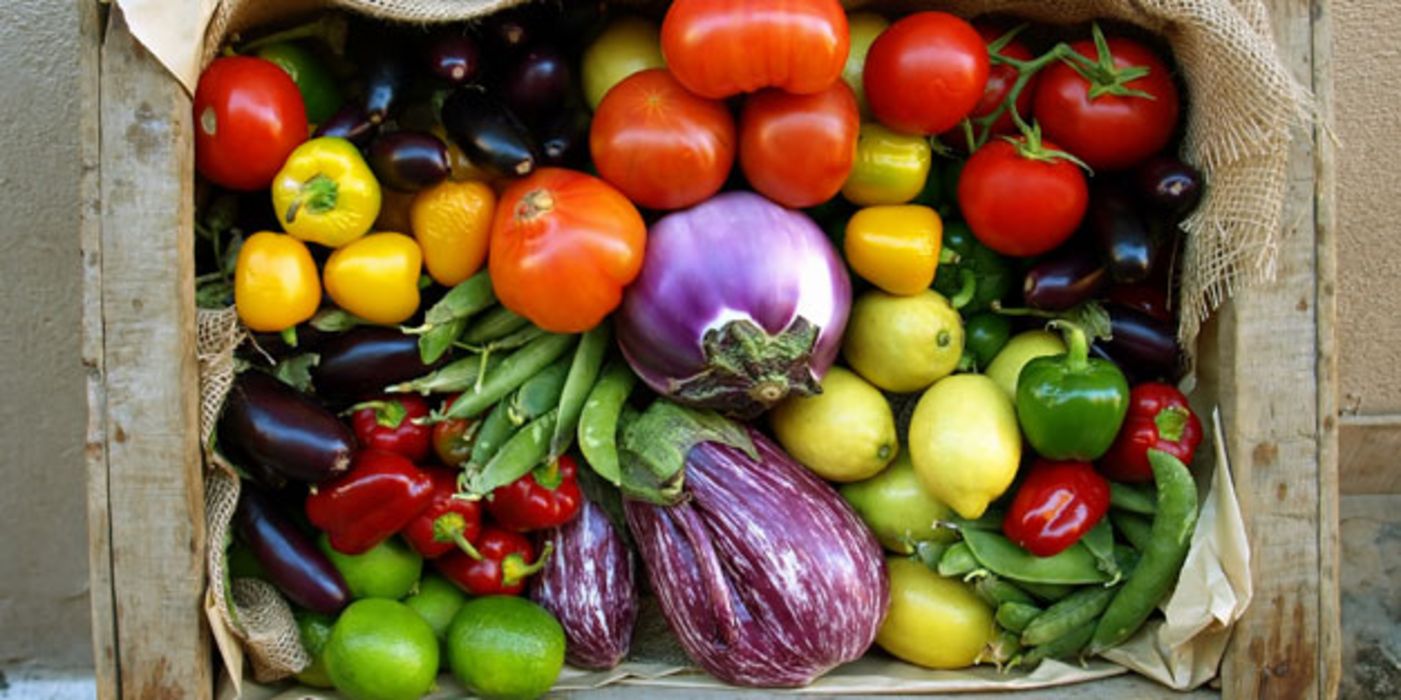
<point x="315" y="629"/>
<point x="381" y="650"/>
<point x="389" y="570"/>
<point x="320" y="92"/>
<point x="505" y="648"/>
<point x="438" y="601"/>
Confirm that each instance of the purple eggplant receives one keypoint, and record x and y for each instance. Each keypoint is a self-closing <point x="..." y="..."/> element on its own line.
<point x="564" y="139"/>
<point x="488" y="132"/>
<point x="537" y="84"/>
<point x="409" y="161"/>
<point x="510" y="31"/>
<point x="386" y="67"/>
<point x="1169" y="186"/>
<point x="588" y="586"/>
<point x="1070" y="277"/>
<point x="1141" y="343"/>
<point x="290" y="559"/>
<point x="454" y="57"/>
<point x="765" y="574"/>
<point x="267" y="425"/>
<point x="363" y="361"/>
<point x="352" y="123"/>
<point x="1116" y="223"/>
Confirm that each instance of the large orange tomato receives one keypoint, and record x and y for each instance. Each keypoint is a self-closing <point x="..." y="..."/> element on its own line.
<point x="662" y="146"/>
<point x="718" y="48"/>
<point x="563" y="246"/>
<point x="798" y="149"/>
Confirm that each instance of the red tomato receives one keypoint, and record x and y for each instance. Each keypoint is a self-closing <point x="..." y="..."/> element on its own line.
<point x="798" y="149"/>
<point x="1109" y="132"/>
<point x="563" y="246"/>
<point x="925" y="73"/>
<point x="662" y="146"/>
<point x="1019" y="205"/>
<point x="718" y="48"/>
<point x="249" y="116"/>
<point x="1001" y="78"/>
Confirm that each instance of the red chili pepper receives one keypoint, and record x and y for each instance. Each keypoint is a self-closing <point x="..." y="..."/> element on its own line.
<point x="547" y="497"/>
<point x="501" y="562"/>
<point x="449" y="522"/>
<point x="388" y="424"/>
<point x="1056" y="504"/>
<point x="1159" y="418"/>
<point x="380" y="494"/>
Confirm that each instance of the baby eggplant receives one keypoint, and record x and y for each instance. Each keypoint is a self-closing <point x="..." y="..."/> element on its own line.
<point x="273" y="426"/>
<point x="386" y="68"/>
<point x="351" y="122"/>
<point x="1123" y="235"/>
<point x="453" y="56"/>
<point x="363" y="361"/>
<point x="1143" y="343"/>
<point x="1068" y="278"/>
<point x="537" y="83"/>
<point x="564" y="139"/>
<point x="488" y="132"/>
<point x="409" y="161"/>
<point x="291" y="560"/>
<point x="1169" y="185"/>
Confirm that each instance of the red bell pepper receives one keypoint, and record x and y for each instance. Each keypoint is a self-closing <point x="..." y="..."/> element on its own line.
<point x="380" y="494"/>
<point x="449" y="522"/>
<point x="453" y="439"/>
<point x="498" y="565"/>
<point x="388" y="424"/>
<point x="1057" y="503"/>
<point x="1159" y="418"/>
<point x="547" y="497"/>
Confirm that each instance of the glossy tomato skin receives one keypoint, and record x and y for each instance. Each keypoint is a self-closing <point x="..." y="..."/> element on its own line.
<point x="798" y="149"/>
<point x="662" y="146"/>
<point x="1109" y="132"/>
<point x="719" y="48"/>
<point x="249" y="115"/>
<point x="925" y="73"/>
<point x="563" y="246"/>
<point x="1001" y="78"/>
<point x="1020" y="206"/>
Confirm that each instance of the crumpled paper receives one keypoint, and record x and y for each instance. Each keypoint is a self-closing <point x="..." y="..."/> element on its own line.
<point x="164" y="28"/>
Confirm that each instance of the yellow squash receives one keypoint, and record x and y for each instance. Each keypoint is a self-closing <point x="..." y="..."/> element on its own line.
<point x="376" y="277"/>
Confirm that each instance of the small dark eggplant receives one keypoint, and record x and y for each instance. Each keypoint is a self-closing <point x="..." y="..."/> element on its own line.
<point x="1117" y="225"/>
<point x="453" y="56"/>
<point x="1070" y="277"/>
<point x="290" y="559"/>
<point x="270" y="423"/>
<point x="363" y="361"/>
<point x="509" y="32"/>
<point x="1169" y="185"/>
<point x="386" y="69"/>
<point x="564" y="140"/>
<point x="489" y="133"/>
<point x="1146" y="297"/>
<point x="537" y="83"/>
<point x="1143" y="343"/>
<point x="351" y="122"/>
<point x="409" y="161"/>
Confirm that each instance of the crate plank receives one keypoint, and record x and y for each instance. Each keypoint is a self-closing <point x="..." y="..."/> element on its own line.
<point x="1367" y="457"/>
<point x="1277" y="369"/>
<point x="155" y="502"/>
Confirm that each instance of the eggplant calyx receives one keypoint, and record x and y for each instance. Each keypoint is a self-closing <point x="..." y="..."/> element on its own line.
<point x="654" y="446"/>
<point x="749" y="370"/>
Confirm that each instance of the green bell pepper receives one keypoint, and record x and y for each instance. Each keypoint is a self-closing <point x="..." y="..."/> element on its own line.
<point x="318" y="86"/>
<point x="978" y="278"/>
<point x="1071" y="406"/>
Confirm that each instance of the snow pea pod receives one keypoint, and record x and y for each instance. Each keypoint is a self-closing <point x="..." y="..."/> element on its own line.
<point x="1137" y="529"/>
<point x="495" y="324"/>
<point x="1128" y="498"/>
<point x="520" y="454"/>
<point x="598" y="422"/>
<point x="496" y="429"/>
<point x="957" y="560"/>
<point x="583" y="371"/>
<point x="513" y="371"/>
<point x="1014" y="617"/>
<point x="1075" y="610"/>
<point x="1074" y="565"/>
<point x="995" y="591"/>
<point x="1161" y="560"/>
<point x="538" y="394"/>
<point x="1050" y="592"/>
<point x="1065" y="646"/>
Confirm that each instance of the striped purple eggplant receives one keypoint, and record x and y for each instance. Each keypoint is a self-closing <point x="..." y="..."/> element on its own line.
<point x="765" y="574"/>
<point x="588" y="586"/>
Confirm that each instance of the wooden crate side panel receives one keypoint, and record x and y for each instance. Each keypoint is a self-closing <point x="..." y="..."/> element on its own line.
<point x="1369" y="455"/>
<point x="155" y="492"/>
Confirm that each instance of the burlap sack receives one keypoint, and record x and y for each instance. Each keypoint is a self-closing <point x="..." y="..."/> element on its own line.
<point x="1242" y="109"/>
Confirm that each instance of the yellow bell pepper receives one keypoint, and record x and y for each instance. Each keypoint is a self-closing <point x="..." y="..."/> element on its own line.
<point x="452" y="222"/>
<point x="275" y="282"/>
<point x="326" y="193"/>
<point x="890" y="167"/>
<point x="376" y="277"/>
<point x="895" y="247"/>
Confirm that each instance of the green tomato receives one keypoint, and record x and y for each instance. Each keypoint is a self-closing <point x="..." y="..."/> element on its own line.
<point x="863" y="27"/>
<point x="897" y="508"/>
<point x="628" y="45"/>
<point x="320" y="92"/>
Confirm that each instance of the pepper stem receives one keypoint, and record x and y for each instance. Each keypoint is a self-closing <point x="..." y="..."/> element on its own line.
<point x="1171" y="423"/>
<point x="1077" y="354"/>
<point x="449" y="528"/>
<point x="514" y="568"/>
<point x="967" y="289"/>
<point x="318" y="196"/>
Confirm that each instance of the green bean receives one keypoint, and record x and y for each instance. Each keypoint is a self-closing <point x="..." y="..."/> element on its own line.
<point x="598" y="422"/>
<point x="522" y="453"/>
<point x="496" y="429"/>
<point x="1131" y="499"/>
<point x="1063" y="647"/>
<point x="1014" y="617"/>
<point x="516" y="339"/>
<point x="1161" y="560"/>
<point x="995" y="591"/>
<point x="1049" y="592"/>
<point x="1137" y="529"/>
<point x="1076" y="609"/>
<point x="990" y="520"/>
<point x="495" y="324"/>
<point x="928" y="552"/>
<point x="439" y="339"/>
<point x="1003" y="648"/>
<point x="1127" y="557"/>
<point x="462" y="301"/>
<point x="538" y="394"/>
<point x="588" y="360"/>
<point x="513" y="371"/>
<point x="1100" y="541"/>
<point x="1003" y="557"/>
<point x="458" y="375"/>
<point x="957" y="560"/>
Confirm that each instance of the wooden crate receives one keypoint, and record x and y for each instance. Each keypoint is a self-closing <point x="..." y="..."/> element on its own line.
<point x="1269" y="360"/>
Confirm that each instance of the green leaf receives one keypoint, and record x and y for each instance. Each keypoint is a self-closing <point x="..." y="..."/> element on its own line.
<point x="333" y="320"/>
<point x="295" y="371"/>
<point x="439" y="339"/>
<point x="463" y="300"/>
